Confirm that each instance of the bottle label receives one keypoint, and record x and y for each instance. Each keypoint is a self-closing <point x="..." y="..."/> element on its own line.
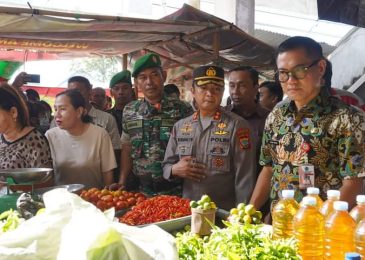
<point x="306" y="176"/>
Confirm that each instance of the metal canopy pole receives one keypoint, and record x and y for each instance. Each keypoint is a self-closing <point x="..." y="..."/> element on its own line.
<point x="125" y="61"/>
<point x="216" y="47"/>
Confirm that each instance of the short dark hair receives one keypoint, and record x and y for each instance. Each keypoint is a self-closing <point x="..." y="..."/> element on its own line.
<point x="327" y="76"/>
<point x="274" y="88"/>
<point x="253" y="73"/>
<point x="46" y="105"/>
<point x="311" y="47"/>
<point x="10" y="97"/>
<point x="77" y="100"/>
<point x="170" y="89"/>
<point x="80" y="79"/>
<point x="32" y="95"/>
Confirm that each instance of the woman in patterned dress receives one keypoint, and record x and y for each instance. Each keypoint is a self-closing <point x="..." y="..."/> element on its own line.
<point x="21" y="145"/>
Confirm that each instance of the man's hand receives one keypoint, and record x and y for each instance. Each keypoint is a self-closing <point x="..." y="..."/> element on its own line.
<point x="188" y="168"/>
<point x="115" y="186"/>
<point x="20" y="80"/>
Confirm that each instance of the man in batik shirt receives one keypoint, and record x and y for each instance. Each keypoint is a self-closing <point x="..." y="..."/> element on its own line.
<point x="313" y="140"/>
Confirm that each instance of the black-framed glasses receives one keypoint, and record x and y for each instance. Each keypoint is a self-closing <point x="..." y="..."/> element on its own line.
<point x="299" y="72"/>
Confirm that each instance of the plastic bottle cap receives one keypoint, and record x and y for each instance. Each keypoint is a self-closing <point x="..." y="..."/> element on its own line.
<point x="309" y="201"/>
<point x="287" y="194"/>
<point x="333" y="193"/>
<point x="360" y="198"/>
<point x="312" y="191"/>
<point x="352" y="256"/>
<point x="341" y="205"/>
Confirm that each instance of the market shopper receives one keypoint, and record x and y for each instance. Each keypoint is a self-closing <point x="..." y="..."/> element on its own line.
<point x="243" y="89"/>
<point x="82" y="152"/>
<point x="313" y="136"/>
<point x="21" y="145"/>
<point x="98" y="98"/>
<point x="147" y="124"/>
<point x="122" y="92"/>
<point x="212" y="151"/>
<point x="100" y="118"/>
<point x="270" y="93"/>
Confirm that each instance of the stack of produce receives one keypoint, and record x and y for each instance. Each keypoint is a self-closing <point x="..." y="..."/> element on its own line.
<point x="236" y="241"/>
<point x="245" y="214"/>
<point x="159" y="208"/>
<point x="106" y="199"/>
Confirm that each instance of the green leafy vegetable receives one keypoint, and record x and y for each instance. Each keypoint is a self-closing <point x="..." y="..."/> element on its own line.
<point x="9" y="220"/>
<point x="235" y="242"/>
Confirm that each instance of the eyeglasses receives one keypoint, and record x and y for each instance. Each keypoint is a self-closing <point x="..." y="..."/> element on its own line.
<point x="299" y="72"/>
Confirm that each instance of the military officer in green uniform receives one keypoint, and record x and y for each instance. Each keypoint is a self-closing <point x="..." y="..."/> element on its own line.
<point x="313" y="139"/>
<point x="147" y="124"/>
<point x="212" y="151"/>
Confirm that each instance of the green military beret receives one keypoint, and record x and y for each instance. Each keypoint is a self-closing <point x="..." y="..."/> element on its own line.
<point x="208" y="74"/>
<point x="150" y="60"/>
<point x="123" y="76"/>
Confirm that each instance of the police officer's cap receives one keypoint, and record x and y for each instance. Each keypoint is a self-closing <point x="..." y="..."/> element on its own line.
<point x="150" y="60"/>
<point x="208" y="74"/>
<point x="122" y="76"/>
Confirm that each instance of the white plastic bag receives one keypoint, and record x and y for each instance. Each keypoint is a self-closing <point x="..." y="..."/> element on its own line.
<point x="71" y="228"/>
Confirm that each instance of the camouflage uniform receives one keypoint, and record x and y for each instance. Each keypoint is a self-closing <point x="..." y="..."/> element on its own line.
<point x="149" y="130"/>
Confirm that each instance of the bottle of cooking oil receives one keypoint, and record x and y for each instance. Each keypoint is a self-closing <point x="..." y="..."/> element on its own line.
<point x="352" y="256"/>
<point x="309" y="230"/>
<point x="283" y="214"/>
<point x="359" y="237"/>
<point x="314" y="192"/>
<point x="339" y="231"/>
<point x="327" y="206"/>
<point x="358" y="213"/>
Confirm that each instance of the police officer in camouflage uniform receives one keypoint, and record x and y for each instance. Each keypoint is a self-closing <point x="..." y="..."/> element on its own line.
<point x="147" y="124"/>
<point x="212" y="151"/>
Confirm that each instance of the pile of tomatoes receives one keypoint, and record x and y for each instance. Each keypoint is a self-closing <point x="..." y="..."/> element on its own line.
<point x="106" y="199"/>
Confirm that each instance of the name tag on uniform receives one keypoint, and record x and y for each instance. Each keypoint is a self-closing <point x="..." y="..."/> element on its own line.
<point x="306" y="176"/>
<point x="134" y="124"/>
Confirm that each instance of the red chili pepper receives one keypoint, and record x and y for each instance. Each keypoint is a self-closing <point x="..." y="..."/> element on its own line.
<point x="159" y="208"/>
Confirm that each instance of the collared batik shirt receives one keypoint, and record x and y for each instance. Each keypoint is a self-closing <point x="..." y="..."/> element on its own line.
<point x="325" y="133"/>
<point x="149" y="128"/>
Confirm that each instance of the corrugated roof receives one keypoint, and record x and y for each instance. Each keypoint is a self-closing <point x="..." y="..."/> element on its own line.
<point x="274" y="39"/>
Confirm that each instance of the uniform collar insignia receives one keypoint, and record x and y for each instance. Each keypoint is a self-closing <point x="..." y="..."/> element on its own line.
<point x="187" y="128"/>
<point x="221" y="129"/>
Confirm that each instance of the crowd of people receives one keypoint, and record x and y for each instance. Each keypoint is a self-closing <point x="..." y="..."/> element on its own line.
<point x="248" y="151"/>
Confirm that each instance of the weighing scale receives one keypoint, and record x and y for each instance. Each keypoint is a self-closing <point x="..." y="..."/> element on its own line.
<point x="20" y="177"/>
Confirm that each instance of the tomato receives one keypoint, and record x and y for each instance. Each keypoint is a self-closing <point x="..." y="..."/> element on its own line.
<point x="140" y="199"/>
<point x="105" y="192"/>
<point x="140" y="195"/>
<point x="109" y="205"/>
<point x="131" y="201"/>
<point x="117" y="193"/>
<point x="120" y="205"/>
<point x="101" y="205"/>
<point x="93" y="190"/>
<point x="107" y="198"/>
<point x="93" y="197"/>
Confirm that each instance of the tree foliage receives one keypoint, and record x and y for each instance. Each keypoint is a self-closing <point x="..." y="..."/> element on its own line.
<point x="98" y="69"/>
